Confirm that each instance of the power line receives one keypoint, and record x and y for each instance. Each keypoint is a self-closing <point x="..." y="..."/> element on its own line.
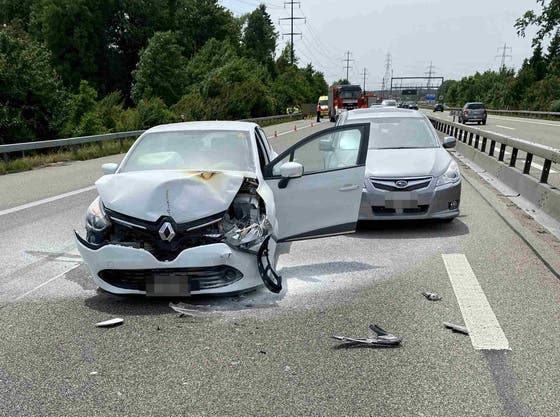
<point x="347" y="60"/>
<point x="504" y="54"/>
<point x="292" y="18"/>
<point x="429" y="73"/>
<point x="388" y="72"/>
<point x="365" y="76"/>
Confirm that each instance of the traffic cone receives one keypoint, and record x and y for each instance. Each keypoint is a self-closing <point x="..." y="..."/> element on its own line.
<point x="311" y="124"/>
<point x="295" y="128"/>
<point x="275" y="133"/>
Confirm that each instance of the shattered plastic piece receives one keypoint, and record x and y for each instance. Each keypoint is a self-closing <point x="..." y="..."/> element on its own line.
<point x="376" y="337"/>
<point x="432" y="296"/>
<point x="110" y="323"/>
<point x="182" y="309"/>
<point x="93" y="373"/>
<point x="456" y="328"/>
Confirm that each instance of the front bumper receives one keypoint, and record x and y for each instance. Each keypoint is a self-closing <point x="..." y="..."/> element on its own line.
<point x="116" y="268"/>
<point x="427" y="203"/>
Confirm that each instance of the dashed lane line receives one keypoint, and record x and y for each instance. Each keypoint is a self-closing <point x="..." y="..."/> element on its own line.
<point x="484" y="330"/>
<point x="19" y="297"/>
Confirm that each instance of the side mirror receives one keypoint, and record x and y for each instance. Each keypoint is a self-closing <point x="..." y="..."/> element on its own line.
<point x="326" y="145"/>
<point x="291" y="170"/>
<point x="110" y="168"/>
<point x="449" y="142"/>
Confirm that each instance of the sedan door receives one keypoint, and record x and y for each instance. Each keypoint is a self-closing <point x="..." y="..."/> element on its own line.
<point x="317" y="183"/>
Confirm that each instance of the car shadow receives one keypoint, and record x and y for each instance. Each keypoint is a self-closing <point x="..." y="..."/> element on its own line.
<point x="409" y="229"/>
<point x="211" y="306"/>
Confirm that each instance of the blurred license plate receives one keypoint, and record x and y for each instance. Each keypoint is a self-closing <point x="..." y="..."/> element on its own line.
<point x="401" y="200"/>
<point x="167" y="285"/>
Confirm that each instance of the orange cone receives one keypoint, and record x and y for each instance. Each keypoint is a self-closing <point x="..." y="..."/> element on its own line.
<point x="295" y="128"/>
<point x="311" y="124"/>
<point x="275" y="134"/>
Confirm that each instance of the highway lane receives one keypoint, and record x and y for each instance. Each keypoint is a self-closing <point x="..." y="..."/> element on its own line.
<point x="266" y="354"/>
<point x="544" y="132"/>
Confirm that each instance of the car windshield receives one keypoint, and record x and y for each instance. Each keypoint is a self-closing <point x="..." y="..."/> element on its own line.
<point x="192" y="150"/>
<point x="400" y="133"/>
<point x="389" y="103"/>
<point x="323" y="102"/>
<point x="350" y="94"/>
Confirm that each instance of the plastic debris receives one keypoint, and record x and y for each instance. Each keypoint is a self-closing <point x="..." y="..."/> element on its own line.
<point x="182" y="309"/>
<point x="456" y="328"/>
<point x="110" y="323"/>
<point x="376" y="337"/>
<point x="432" y="296"/>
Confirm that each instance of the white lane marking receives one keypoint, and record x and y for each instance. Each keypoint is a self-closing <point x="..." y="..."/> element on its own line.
<point x="484" y="330"/>
<point x="46" y="282"/>
<point x="515" y="119"/>
<point x="45" y="200"/>
<point x="506" y="127"/>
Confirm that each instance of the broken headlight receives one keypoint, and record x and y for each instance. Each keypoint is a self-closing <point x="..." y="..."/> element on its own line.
<point x="96" y="219"/>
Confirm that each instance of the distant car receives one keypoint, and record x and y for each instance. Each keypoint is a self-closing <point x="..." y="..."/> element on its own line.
<point x="389" y="103"/>
<point x="403" y="105"/>
<point x="409" y="174"/>
<point x="412" y="105"/>
<point x="202" y="207"/>
<point x="324" y="103"/>
<point x="473" y="112"/>
<point x="438" y="107"/>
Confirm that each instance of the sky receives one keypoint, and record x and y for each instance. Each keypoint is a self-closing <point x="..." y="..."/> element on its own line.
<point x="457" y="37"/>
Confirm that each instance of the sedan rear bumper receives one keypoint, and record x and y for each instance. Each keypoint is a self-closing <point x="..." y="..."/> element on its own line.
<point x="209" y="269"/>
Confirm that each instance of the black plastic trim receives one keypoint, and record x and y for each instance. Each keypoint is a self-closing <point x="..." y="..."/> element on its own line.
<point x="326" y="231"/>
<point x="87" y="244"/>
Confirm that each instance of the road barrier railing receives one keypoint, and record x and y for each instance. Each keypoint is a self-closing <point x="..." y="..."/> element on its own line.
<point x="57" y="143"/>
<point x="493" y="143"/>
<point x="520" y="113"/>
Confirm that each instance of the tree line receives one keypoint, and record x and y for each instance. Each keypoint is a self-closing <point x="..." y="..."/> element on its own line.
<point x="535" y="86"/>
<point x="77" y="67"/>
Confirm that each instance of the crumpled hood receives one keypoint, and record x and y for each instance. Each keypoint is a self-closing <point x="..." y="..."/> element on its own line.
<point x="406" y="162"/>
<point x="183" y="195"/>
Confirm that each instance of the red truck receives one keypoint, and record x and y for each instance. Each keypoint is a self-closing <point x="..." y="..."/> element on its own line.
<point x="345" y="97"/>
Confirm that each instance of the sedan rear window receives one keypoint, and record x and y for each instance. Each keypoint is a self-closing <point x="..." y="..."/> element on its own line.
<point x="401" y="133"/>
<point x="192" y="150"/>
<point x="475" y="106"/>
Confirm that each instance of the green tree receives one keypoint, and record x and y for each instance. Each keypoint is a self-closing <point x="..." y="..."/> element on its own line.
<point x="546" y="21"/>
<point x="32" y="97"/>
<point x="259" y="37"/>
<point x="83" y="118"/>
<point x="161" y="70"/>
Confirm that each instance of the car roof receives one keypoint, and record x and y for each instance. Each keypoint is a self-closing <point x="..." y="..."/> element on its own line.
<point x="206" y="125"/>
<point x="382" y="112"/>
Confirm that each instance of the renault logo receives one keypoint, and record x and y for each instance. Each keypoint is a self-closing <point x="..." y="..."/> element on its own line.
<point x="166" y="232"/>
<point x="401" y="183"/>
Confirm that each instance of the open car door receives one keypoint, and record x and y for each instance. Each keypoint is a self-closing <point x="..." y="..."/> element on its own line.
<point x="317" y="183"/>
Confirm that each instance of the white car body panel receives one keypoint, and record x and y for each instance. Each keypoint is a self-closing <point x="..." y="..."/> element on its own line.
<point x="183" y="195"/>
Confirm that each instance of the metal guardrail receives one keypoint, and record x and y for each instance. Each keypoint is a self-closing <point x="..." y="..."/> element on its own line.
<point x="56" y="143"/>
<point x="487" y="142"/>
<point x="523" y="113"/>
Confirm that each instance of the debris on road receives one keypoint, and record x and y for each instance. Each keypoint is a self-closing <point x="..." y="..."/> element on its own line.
<point x="456" y="328"/>
<point x="110" y="323"/>
<point x="432" y="296"/>
<point x="376" y="337"/>
<point x="93" y="373"/>
<point x="182" y="309"/>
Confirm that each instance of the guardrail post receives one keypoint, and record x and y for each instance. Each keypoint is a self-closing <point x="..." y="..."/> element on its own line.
<point x="121" y="142"/>
<point x="476" y="139"/>
<point x="483" y="147"/>
<point x="513" y="159"/>
<point x="546" y="170"/>
<point x="502" y="153"/>
<point x="492" y="147"/>
<point x="528" y="161"/>
<point x="471" y="138"/>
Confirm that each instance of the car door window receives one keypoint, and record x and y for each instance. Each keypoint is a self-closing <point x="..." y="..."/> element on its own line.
<point x="336" y="148"/>
<point x="265" y="142"/>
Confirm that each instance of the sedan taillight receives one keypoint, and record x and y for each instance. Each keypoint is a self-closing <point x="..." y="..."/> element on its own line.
<point x="465" y="112"/>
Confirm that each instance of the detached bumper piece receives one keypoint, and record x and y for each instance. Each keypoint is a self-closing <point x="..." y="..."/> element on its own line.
<point x="377" y="337"/>
<point x="191" y="279"/>
<point x="270" y="277"/>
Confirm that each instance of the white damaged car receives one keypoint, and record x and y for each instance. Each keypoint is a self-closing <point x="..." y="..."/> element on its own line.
<point x="202" y="207"/>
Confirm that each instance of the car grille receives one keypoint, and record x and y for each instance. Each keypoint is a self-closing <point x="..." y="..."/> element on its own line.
<point x="198" y="278"/>
<point x="390" y="184"/>
<point x="138" y="233"/>
<point x="385" y="211"/>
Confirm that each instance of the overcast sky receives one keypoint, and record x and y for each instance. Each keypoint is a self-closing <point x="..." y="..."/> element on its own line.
<point x="458" y="37"/>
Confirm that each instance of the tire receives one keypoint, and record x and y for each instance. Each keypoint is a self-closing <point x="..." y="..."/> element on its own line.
<point x="478" y="122"/>
<point x="484" y="122"/>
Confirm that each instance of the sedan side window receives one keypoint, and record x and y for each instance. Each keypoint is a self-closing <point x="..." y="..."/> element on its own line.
<point x="327" y="152"/>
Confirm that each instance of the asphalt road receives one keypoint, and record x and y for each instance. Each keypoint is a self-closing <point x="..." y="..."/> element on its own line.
<point x="263" y="354"/>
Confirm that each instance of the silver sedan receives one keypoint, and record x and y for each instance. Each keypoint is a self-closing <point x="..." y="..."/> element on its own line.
<point x="409" y="174"/>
